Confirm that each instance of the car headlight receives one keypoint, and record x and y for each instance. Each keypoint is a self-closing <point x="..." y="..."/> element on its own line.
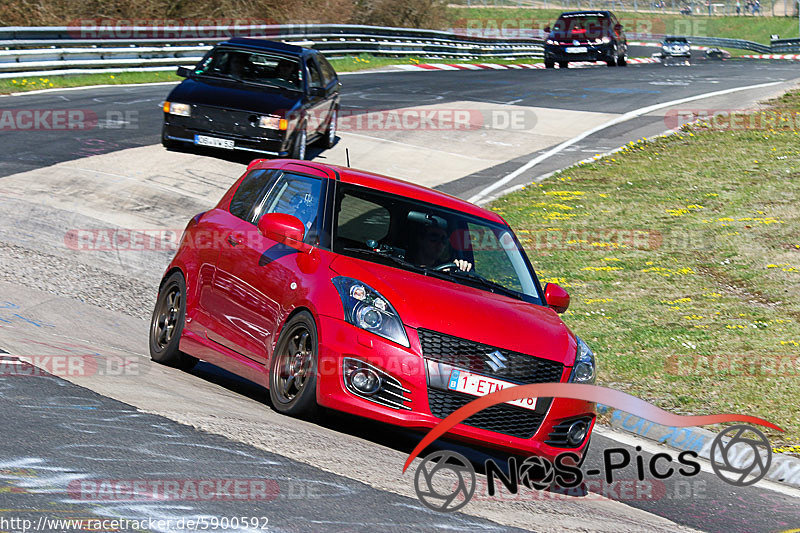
<point x="585" y="369"/>
<point x="551" y="41"/>
<point x="364" y="307"/>
<point x="606" y="40"/>
<point x="183" y="110"/>
<point x="271" y="122"/>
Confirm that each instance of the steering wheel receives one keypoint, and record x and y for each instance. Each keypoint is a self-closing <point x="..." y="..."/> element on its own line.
<point x="445" y="266"/>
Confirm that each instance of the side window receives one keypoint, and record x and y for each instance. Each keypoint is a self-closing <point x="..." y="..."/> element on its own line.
<point x="248" y="193"/>
<point x="328" y="74"/>
<point x="360" y="220"/>
<point x="299" y="196"/>
<point x="314" y="78"/>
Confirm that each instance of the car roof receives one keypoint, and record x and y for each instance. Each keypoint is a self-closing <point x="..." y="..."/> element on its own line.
<point x="390" y="185"/>
<point x="266" y="46"/>
<point x="594" y="12"/>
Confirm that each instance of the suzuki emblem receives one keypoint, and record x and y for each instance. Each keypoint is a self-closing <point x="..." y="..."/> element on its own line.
<point x="496" y="360"/>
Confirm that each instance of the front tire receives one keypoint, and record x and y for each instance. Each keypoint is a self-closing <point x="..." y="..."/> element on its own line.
<point x="299" y="145"/>
<point x="293" y="369"/>
<point x="549" y="63"/>
<point x="563" y="64"/>
<point x="329" y="139"/>
<point x="622" y="61"/>
<point x="166" y="325"/>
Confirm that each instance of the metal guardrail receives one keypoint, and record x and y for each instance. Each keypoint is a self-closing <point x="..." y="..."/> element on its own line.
<point x="66" y="49"/>
<point x="60" y="49"/>
<point x="709" y="41"/>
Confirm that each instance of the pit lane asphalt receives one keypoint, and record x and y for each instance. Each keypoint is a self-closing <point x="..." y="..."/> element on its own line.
<point x="764" y="510"/>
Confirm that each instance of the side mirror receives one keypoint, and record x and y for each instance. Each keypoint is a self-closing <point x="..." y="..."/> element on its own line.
<point x="547" y="29"/>
<point x="556" y="297"/>
<point x="316" y="91"/>
<point x="618" y="28"/>
<point x="184" y="72"/>
<point x="283" y="228"/>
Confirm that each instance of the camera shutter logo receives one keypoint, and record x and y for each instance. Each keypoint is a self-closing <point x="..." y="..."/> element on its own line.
<point x="445" y="481"/>
<point x="496" y="360"/>
<point x="741" y="456"/>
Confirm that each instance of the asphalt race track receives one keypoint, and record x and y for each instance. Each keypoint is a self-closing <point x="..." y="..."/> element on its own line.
<point x="337" y="474"/>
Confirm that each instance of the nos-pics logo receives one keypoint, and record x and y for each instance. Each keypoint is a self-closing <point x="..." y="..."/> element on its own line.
<point x="445" y="481"/>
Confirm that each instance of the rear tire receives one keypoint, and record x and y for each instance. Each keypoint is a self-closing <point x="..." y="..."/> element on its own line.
<point x="293" y="368"/>
<point x="549" y="63"/>
<point x="622" y="61"/>
<point x="166" y="325"/>
<point x="563" y="64"/>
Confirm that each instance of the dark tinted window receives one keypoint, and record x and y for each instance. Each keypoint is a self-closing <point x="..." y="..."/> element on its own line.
<point x="314" y="78"/>
<point x="241" y="65"/>
<point x="328" y="74"/>
<point x="248" y="193"/>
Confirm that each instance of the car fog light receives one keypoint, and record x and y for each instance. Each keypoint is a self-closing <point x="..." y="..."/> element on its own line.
<point x="583" y="372"/>
<point x="577" y="432"/>
<point x="366" y="381"/>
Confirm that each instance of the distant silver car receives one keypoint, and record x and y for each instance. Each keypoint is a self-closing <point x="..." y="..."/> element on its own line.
<point x="675" y="50"/>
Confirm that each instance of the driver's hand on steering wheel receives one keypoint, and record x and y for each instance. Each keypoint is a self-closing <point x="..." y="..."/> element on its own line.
<point x="463" y="265"/>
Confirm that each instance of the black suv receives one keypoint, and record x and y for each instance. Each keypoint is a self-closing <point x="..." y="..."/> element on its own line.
<point x="585" y="36"/>
<point x="256" y="96"/>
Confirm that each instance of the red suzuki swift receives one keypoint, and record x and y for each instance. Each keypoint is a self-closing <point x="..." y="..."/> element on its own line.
<point x="365" y="294"/>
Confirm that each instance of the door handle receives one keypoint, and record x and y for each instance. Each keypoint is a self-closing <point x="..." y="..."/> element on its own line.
<point x="232" y="241"/>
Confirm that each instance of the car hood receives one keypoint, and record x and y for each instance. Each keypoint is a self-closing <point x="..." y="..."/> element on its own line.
<point x="462" y="311"/>
<point x="233" y="95"/>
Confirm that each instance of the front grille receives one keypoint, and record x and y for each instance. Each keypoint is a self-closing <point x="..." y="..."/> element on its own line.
<point x="473" y="356"/>
<point x="237" y="124"/>
<point x="501" y="418"/>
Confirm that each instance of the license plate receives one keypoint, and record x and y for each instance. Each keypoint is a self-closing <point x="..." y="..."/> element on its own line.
<point x="576" y="49"/>
<point x="205" y="140"/>
<point x="477" y="385"/>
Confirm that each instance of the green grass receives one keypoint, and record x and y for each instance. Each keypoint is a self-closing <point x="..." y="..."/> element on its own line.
<point x="714" y="271"/>
<point x="23" y="84"/>
<point x="756" y="29"/>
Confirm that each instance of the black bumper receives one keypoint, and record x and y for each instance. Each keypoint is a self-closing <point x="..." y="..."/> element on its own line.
<point x="272" y="143"/>
<point x="599" y="52"/>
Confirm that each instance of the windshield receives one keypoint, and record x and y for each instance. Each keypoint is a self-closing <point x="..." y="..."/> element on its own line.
<point x="588" y="26"/>
<point x="431" y="240"/>
<point x="675" y="40"/>
<point x="250" y="67"/>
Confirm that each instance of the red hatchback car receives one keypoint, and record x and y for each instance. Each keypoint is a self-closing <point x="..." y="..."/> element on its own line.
<point x="373" y="296"/>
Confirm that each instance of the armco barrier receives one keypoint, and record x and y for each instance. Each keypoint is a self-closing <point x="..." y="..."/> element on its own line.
<point x="61" y="50"/>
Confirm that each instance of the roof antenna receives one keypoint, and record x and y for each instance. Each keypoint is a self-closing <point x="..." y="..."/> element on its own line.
<point x="347" y="153"/>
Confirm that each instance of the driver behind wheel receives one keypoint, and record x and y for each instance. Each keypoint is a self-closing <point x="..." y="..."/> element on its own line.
<point x="430" y="247"/>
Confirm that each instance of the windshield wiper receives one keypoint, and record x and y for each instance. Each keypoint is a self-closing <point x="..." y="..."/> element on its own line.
<point x="394" y="258"/>
<point x="477" y="278"/>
